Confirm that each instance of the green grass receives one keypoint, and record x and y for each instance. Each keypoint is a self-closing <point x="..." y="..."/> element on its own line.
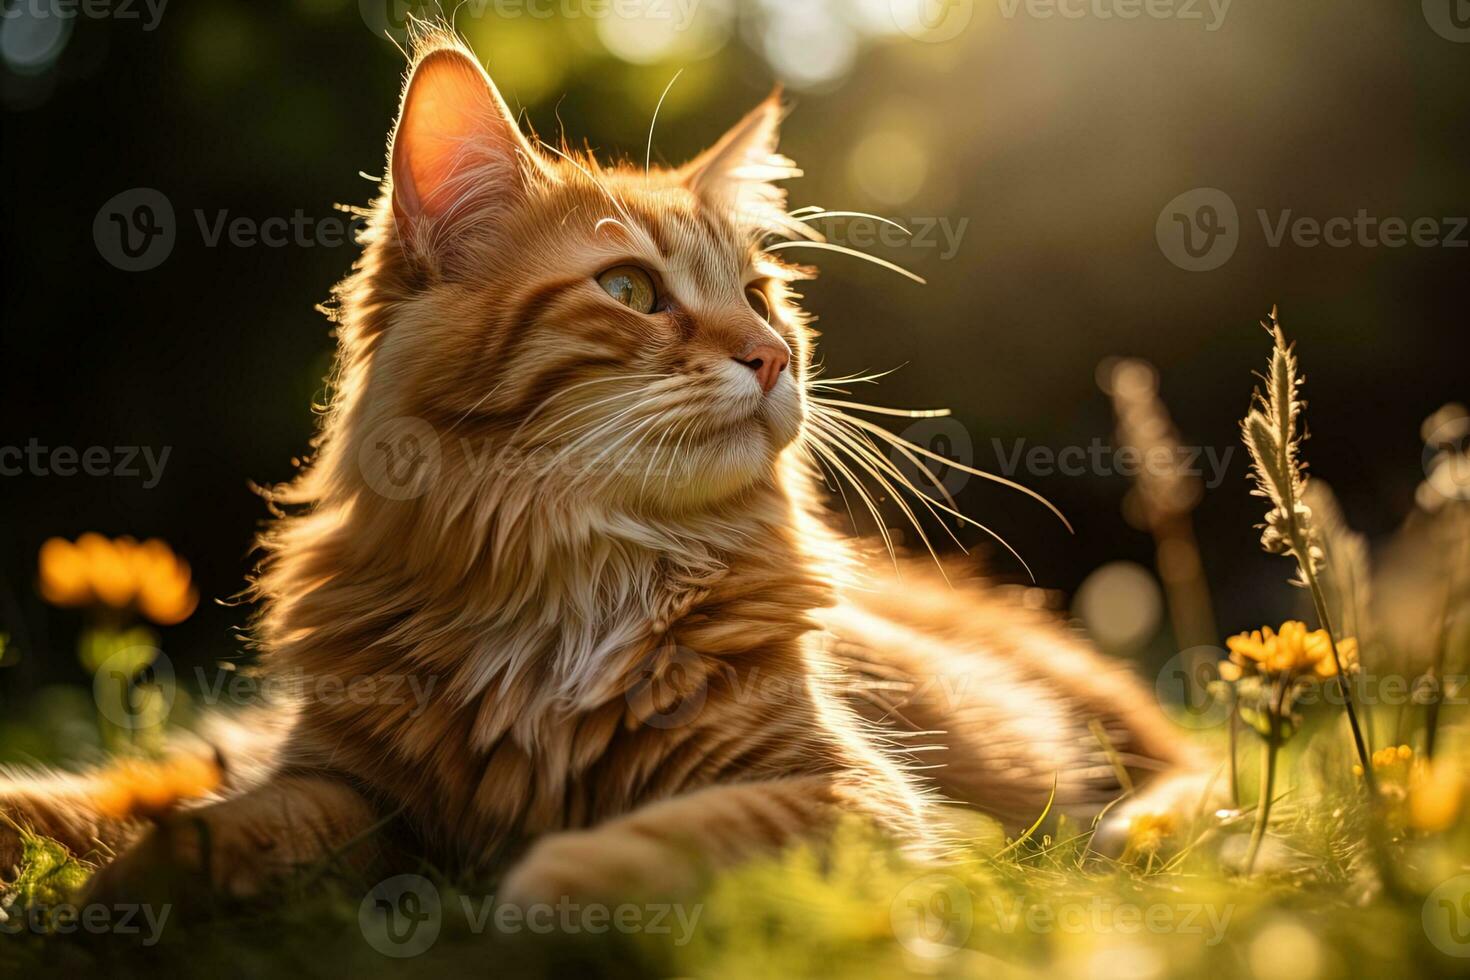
<point x="1317" y="908"/>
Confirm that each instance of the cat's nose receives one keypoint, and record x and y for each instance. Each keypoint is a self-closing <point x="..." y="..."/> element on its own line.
<point x="767" y="360"/>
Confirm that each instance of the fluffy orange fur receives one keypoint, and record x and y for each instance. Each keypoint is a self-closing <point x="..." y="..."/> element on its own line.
<point x="601" y="547"/>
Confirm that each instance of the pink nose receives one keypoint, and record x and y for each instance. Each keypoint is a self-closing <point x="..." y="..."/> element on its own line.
<point x="767" y="361"/>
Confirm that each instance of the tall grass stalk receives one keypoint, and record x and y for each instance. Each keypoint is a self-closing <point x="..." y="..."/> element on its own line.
<point x="1270" y="433"/>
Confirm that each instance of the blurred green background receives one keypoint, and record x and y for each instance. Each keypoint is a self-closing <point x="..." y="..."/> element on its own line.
<point x="1040" y="152"/>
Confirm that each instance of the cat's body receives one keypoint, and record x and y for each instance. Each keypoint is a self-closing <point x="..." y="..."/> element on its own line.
<point x="558" y="585"/>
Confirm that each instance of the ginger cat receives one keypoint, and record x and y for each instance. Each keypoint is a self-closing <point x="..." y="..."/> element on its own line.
<point x="569" y="476"/>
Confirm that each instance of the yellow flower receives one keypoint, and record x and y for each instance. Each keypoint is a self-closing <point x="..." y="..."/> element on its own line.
<point x="1292" y="652"/>
<point x="119" y="573"/>
<point x="1391" y="763"/>
<point x="1436" y="793"/>
<point x="1149" y="831"/>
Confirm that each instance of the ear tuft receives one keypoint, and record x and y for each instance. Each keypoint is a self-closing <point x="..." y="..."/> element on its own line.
<point x="740" y="170"/>
<point x="456" y="148"/>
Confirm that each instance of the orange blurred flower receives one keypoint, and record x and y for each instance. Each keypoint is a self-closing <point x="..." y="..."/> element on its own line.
<point x="134" y="788"/>
<point x="1292" y="652"/>
<point x="118" y="573"/>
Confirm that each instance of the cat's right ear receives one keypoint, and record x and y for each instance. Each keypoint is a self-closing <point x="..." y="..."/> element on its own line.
<point x="457" y="152"/>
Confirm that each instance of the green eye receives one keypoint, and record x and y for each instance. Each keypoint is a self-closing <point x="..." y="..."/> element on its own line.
<point x="756" y="297"/>
<point x="630" y="286"/>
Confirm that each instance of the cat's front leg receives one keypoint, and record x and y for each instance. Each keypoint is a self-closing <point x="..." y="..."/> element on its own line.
<point x="239" y="847"/>
<point x="665" y="848"/>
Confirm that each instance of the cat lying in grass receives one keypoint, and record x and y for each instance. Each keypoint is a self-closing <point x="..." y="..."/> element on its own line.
<point x="651" y="652"/>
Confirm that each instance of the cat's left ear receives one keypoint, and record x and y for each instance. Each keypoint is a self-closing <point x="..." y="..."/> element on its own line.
<point x="457" y="151"/>
<point x="741" y="168"/>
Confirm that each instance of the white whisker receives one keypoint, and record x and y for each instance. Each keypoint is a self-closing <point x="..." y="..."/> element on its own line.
<point x="830" y="247"/>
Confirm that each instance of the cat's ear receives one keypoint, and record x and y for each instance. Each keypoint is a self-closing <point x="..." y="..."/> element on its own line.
<point x="740" y="169"/>
<point x="456" y="148"/>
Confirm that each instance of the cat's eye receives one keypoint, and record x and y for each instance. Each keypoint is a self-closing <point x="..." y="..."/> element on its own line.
<point x="756" y="297"/>
<point x="630" y="286"/>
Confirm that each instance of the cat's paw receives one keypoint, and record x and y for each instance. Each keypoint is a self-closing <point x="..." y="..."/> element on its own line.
<point x="1164" y="816"/>
<point x="591" y="865"/>
<point x="186" y="859"/>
